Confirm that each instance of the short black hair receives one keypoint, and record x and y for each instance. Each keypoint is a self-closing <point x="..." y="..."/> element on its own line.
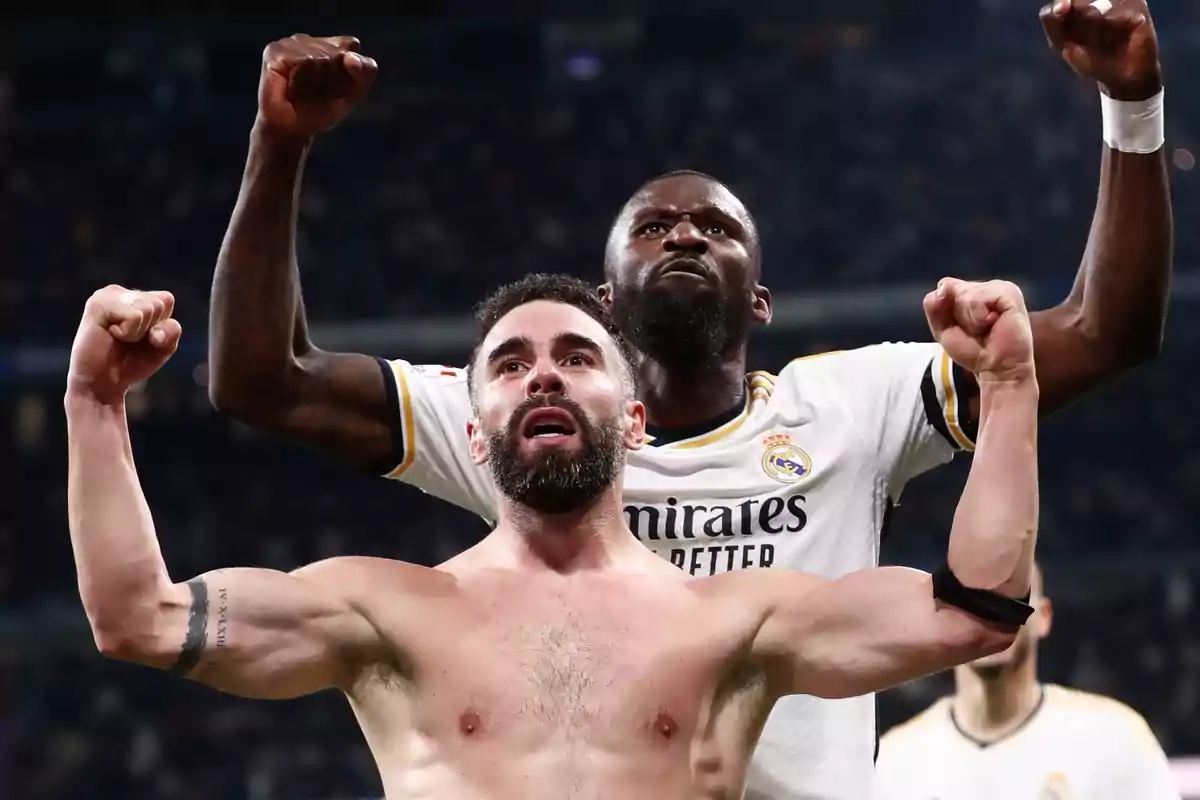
<point x="553" y="288"/>
<point x="681" y="173"/>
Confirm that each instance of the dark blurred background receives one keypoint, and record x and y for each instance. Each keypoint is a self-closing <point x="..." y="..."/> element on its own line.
<point x="880" y="149"/>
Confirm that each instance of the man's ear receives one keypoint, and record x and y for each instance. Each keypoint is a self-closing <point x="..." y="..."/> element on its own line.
<point x="635" y="424"/>
<point x="604" y="292"/>
<point x="478" y="443"/>
<point x="1043" y="618"/>
<point x="760" y="309"/>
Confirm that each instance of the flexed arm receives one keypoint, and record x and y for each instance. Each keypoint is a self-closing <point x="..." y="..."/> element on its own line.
<point x="265" y="370"/>
<point x="254" y="632"/>
<point x="876" y="628"/>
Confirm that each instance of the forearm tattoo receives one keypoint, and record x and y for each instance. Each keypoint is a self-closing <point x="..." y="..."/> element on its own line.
<point x="197" y="630"/>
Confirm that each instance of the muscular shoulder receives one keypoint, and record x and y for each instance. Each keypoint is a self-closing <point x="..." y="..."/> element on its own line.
<point x="761" y="591"/>
<point x="741" y="583"/>
<point x="357" y="577"/>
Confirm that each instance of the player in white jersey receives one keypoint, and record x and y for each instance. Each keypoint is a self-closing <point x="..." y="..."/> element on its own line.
<point x="795" y="470"/>
<point x="1005" y="736"/>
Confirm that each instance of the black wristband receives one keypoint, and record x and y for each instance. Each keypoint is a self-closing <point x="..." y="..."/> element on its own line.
<point x="981" y="603"/>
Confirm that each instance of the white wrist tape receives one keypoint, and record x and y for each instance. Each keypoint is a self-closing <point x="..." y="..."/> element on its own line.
<point x="1133" y="126"/>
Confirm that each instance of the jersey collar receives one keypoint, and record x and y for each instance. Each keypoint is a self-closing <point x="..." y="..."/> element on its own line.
<point x="707" y="432"/>
<point x="981" y="744"/>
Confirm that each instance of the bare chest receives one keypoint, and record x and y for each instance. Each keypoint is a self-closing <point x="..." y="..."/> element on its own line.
<point x="612" y="667"/>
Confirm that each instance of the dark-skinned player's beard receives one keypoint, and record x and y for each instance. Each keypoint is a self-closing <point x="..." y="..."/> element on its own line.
<point x="554" y="481"/>
<point x="681" y="329"/>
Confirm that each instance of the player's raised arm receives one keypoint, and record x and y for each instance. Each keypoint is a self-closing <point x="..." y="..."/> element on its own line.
<point x="876" y="628"/>
<point x="254" y="632"/>
<point x="264" y="369"/>
<point x="1113" y="318"/>
<point x="389" y="417"/>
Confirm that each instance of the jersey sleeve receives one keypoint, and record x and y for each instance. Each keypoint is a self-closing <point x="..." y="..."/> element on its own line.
<point x="432" y="453"/>
<point x="910" y="401"/>
<point x="1141" y="767"/>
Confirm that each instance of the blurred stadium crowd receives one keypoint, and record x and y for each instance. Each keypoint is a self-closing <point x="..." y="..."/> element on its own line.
<point x="873" y="154"/>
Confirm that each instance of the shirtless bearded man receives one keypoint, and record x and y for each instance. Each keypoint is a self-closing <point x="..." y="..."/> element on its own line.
<point x="527" y="667"/>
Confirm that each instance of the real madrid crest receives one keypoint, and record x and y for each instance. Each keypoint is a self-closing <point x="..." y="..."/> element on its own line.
<point x="783" y="460"/>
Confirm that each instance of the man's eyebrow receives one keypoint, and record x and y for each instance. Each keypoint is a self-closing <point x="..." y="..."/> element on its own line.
<point x="710" y="210"/>
<point x="580" y="342"/>
<point x="511" y="345"/>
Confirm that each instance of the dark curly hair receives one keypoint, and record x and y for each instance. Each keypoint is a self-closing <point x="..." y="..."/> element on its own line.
<point x="555" y="289"/>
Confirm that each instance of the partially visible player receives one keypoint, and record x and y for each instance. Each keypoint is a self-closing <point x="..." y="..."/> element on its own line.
<point x="1006" y="736"/>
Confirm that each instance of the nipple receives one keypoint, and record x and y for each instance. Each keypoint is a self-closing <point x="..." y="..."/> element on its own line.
<point x="665" y="726"/>
<point x="468" y="723"/>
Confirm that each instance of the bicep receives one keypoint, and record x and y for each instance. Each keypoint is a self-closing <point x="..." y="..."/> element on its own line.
<point x="342" y="404"/>
<point x="1069" y="361"/>
<point x="402" y="421"/>
<point x="868" y="631"/>
<point x="259" y="632"/>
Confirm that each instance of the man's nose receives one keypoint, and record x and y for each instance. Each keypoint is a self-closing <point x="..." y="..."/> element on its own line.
<point x="685" y="237"/>
<point x="544" y="378"/>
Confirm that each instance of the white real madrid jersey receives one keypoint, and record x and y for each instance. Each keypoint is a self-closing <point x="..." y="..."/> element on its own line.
<point x="801" y="477"/>
<point x="1075" y="746"/>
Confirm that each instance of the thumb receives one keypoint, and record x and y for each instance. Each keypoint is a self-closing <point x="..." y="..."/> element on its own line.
<point x="362" y="71"/>
<point x="939" y="311"/>
<point x="1054" y="18"/>
<point x="165" y="336"/>
<point x="1127" y="20"/>
<point x="962" y="348"/>
<point x="273" y="86"/>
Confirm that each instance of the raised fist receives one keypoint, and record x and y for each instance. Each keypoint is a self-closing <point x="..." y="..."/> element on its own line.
<point x="124" y="338"/>
<point x="1109" y="41"/>
<point x="309" y="84"/>
<point x="984" y="327"/>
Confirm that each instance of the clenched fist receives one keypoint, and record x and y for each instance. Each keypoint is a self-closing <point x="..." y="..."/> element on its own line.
<point x="984" y="327"/>
<point x="124" y="337"/>
<point x="309" y="83"/>
<point x="1109" y="41"/>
